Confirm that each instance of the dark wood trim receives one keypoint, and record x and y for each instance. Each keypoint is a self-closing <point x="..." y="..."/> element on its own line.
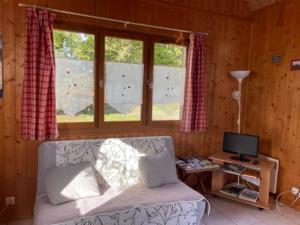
<point x="69" y="26"/>
<point x="101" y="79"/>
<point x="124" y="34"/>
<point x="98" y="65"/>
<point x="73" y="125"/>
<point x="160" y="123"/>
<point x="117" y="129"/>
<point x="150" y="81"/>
<point x="145" y="82"/>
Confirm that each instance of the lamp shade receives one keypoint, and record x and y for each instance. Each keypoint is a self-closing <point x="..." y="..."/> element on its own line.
<point x="240" y="74"/>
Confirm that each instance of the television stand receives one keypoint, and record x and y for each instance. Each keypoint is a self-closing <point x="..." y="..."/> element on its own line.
<point x="240" y="158"/>
<point x="220" y="178"/>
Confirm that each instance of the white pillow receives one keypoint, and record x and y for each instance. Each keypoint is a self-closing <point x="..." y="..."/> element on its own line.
<point x="157" y="170"/>
<point x="72" y="182"/>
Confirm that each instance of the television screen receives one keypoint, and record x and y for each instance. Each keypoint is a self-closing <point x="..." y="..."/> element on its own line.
<point x="240" y="144"/>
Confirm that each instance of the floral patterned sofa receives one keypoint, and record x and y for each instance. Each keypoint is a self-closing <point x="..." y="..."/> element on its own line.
<point x="125" y="200"/>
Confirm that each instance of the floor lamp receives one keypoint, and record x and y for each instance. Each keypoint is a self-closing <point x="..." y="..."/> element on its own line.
<point x="240" y="76"/>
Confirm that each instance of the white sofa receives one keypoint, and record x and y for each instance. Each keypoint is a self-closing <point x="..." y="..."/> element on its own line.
<point x="125" y="200"/>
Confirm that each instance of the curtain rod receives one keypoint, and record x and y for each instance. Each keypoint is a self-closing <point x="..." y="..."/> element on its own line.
<point x="126" y="23"/>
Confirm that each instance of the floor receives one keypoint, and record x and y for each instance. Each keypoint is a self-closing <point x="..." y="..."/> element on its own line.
<point x="225" y="212"/>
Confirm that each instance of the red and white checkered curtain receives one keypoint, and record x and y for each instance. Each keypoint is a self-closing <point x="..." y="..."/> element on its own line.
<point x="38" y="110"/>
<point x="194" y="110"/>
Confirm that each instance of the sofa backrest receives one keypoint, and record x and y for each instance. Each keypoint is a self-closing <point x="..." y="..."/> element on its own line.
<point x="115" y="159"/>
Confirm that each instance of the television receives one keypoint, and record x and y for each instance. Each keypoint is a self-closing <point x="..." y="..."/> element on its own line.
<point x="241" y="144"/>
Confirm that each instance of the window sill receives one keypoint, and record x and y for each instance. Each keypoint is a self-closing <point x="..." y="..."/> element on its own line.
<point x="118" y="130"/>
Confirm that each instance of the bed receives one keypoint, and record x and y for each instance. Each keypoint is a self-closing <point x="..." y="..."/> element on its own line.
<point x="125" y="200"/>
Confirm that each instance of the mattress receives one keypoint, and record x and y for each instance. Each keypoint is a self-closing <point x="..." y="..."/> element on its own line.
<point x="173" y="203"/>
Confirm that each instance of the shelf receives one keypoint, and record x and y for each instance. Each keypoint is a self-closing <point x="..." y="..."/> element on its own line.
<point x="263" y="168"/>
<point x="246" y="174"/>
<point x="226" y="157"/>
<point x="232" y="172"/>
<point x="256" y="204"/>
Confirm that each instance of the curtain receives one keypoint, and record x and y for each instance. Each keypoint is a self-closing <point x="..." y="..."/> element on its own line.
<point x="38" y="110"/>
<point x="194" y="111"/>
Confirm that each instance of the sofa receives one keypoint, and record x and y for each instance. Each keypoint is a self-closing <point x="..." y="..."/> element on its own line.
<point x="125" y="200"/>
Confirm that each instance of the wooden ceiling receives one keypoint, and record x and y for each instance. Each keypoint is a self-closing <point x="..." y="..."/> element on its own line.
<point x="253" y="5"/>
<point x="259" y="4"/>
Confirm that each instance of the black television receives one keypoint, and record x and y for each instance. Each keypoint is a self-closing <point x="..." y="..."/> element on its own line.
<point x="241" y="144"/>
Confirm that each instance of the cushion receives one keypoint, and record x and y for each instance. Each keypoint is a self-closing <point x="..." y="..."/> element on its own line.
<point x="72" y="182"/>
<point x="157" y="170"/>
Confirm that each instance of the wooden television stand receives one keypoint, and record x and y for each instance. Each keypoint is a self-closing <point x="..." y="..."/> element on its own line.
<point x="219" y="178"/>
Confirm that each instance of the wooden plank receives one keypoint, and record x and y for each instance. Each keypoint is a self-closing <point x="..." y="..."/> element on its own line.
<point x="273" y="90"/>
<point x="260" y="4"/>
<point x="9" y="101"/>
<point x="2" y="204"/>
<point x="264" y="188"/>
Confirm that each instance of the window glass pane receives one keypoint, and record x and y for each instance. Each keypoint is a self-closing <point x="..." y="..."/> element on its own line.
<point x="124" y="70"/>
<point x="75" y="56"/>
<point x="168" y="81"/>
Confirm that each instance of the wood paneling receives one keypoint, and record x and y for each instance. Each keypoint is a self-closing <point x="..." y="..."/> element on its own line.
<point x="273" y="107"/>
<point x="225" y="7"/>
<point x="235" y="8"/>
<point x="227" y="49"/>
<point x="259" y="4"/>
<point x="1" y="132"/>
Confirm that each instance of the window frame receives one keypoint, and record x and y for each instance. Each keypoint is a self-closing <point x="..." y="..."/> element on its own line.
<point x="99" y="76"/>
<point x="161" y="40"/>
<point x="130" y="36"/>
<point x="88" y="30"/>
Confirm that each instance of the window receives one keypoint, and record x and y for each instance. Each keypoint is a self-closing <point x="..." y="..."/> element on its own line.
<point x="168" y="81"/>
<point x="75" y="57"/>
<point x="124" y="74"/>
<point x="108" y="77"/>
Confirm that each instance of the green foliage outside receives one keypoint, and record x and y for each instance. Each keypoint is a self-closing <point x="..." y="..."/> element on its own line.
<point x="123" y="50"/>
<point x="74" y="45"/>
<point x="81" y="46"/>
<point x="169" y="55"/>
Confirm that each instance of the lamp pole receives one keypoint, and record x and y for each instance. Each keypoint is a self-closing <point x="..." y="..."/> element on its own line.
<point x="239" y="106"/>
<point x="237" y="95"/>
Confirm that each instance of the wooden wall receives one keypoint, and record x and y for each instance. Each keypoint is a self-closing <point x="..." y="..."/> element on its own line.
<point x="228" y="26"/>
<point x="259" y="4"/>
<point x="273" y="106"/>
